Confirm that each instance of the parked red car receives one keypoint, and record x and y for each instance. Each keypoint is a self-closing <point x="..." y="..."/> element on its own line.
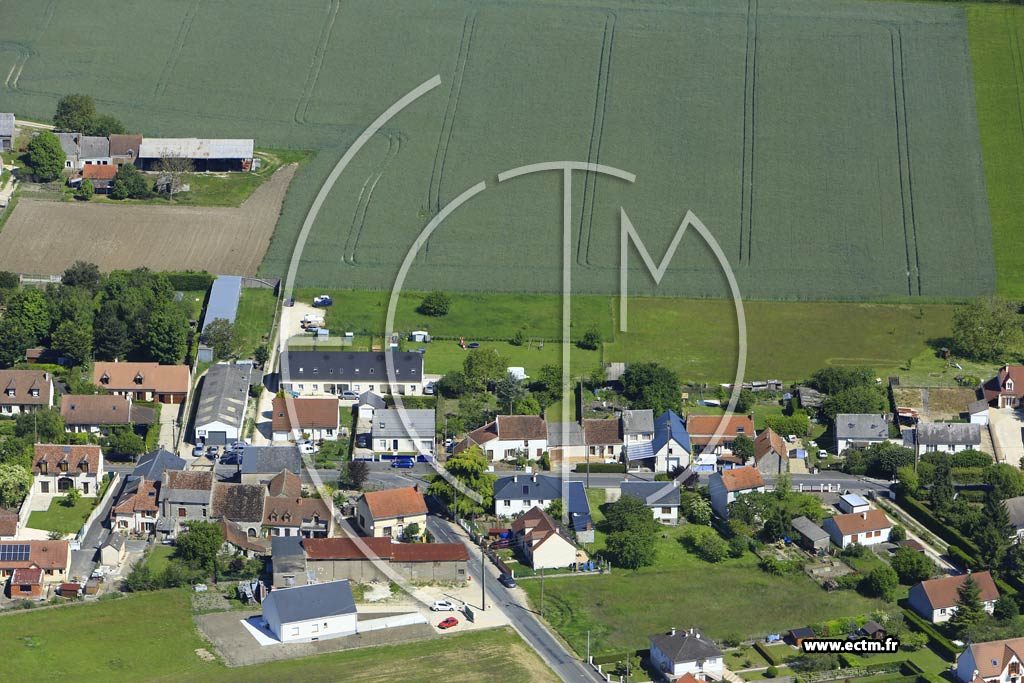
<point x="448" y="623"/>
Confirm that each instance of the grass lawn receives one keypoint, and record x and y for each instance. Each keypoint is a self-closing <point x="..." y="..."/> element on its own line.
<point x="159" y="557"/>
<point x="92" y="643"/>
<point x="58" y="517"/>
<point x="995" y="38"/>
<point x="256" y="309"/>
<point x="925" y="658"/>
<point x="193" y="302"/>
<point x="695" y="337"/>
<point x="732" y="598"/>
<point x="597" y="498"/>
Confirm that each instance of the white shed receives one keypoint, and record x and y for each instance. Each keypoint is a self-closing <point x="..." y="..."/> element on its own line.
<point x="312" y="612"/>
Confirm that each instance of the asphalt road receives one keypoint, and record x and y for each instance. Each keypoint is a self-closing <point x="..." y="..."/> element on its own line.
<point x="83" y="561"/>
<point x="525" y="622"/>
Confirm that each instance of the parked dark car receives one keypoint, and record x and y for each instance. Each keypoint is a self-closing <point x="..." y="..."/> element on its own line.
<point x="322" y="301"/>
<point x="362" y="440"/>
<point x="403" y="464"/>
<point x="231" y="459"/>
<point x="507" y="581"/>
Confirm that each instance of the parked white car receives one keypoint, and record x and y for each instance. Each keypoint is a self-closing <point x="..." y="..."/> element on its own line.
<point x="442" y="606"/>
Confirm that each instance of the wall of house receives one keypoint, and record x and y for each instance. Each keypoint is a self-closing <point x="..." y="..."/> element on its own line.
<point x="554" y="553"/>
<point x="666" y="514"/>
<point x="393" y="527"/>
<point x="670" y="456"/>
<point x="965" y="666"/>
<point x="193" y="511"/>
<point x="403" y="445"/>
<point x="500" y="449"/>
<point x="312" y="389"/>
<point x="29" y="591"/>
<point x="510" y="507"/>
<point x="86" y="482"/>
<point x="300" y="631"/>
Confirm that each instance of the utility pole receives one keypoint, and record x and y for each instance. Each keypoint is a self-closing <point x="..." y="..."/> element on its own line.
<point x="588" y="646"/>
<point x="483" y="581"/>
<point x="542" y="591"/>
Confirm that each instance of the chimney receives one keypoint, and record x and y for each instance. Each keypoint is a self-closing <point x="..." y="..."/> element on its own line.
<point x="864" y="515"/>
<point x="534" y="478"/>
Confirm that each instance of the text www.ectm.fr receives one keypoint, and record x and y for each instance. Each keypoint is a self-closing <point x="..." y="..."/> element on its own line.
<point x="822" y="645"/>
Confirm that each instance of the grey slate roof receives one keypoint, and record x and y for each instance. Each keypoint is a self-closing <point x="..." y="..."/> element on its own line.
<point x="69" y="143"/>
<point x="151" y="466"/>
<point x="368" y="398"/>
<point x="573" y="434"/>
<point x="958" y="433"/>
<point x="637" y="421"/>
<point x="686" y="646"/>
<point x="270" y="459"/>
<point x="1015" y="507"/>
<point x="387" y="424"/>
<point x="315" y="601"/>
<point x="223" y="303"/>
<point x="866" y="427"/>
<point x="979" y="406"/>
<point x="224" y="394"/>
<point x="652" y="493"/>
<point x="527" y="487"/>
<point x="809" y="529"/>
<point x="94" y="146"/>
<point x="283" y="548"/>
<point x="578" y="507"/>
<point x="350" y="366"/>
<point x="6" y="125"/>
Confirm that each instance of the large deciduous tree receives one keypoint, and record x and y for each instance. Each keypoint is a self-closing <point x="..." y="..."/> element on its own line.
<point x="649" y="385"/>
<point x="73" y="339"/>
<point x="45" y="156"/>
<point x="168" y="333"/>
<point x="15" y="481"/>
<point x="469" y="469"/>
<point x="82" y="274"/>
<point x="75" y="113"/>
<point x="199" y="545"/>
<point x="986" y="329"/>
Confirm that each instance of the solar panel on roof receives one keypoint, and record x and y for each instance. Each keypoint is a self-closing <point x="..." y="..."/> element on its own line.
<point x="14" y="552"/>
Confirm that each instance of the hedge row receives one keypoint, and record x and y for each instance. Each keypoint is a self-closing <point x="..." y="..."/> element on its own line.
<point x="602" y="468"/>
<point x="190" y="280"/>
<point x="933" y="524"/>
<point x="766" y="653"/>
<point x="942" y="645"/>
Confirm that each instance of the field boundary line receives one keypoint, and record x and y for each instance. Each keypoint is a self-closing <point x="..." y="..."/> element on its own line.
<point x="319" y="54"/>
<point x="899" y="94"/>
<point x="1018" y="63"/>
<point x="749" y="111"/>
<point x="179" y="44"/>
<point x="363" y="202"/>
<point x="444" y="139"/>
<point x="596" y="139"/>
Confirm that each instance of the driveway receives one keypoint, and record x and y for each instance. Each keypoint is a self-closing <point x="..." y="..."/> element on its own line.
<point x="1006" y="425"/>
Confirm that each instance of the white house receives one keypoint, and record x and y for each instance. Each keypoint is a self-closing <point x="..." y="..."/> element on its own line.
<point x="997" y="661"/>
<point x="415" y="434"/>
<point x="662" y="497"/>
<point x="22" y="391"/>
<point x="860" y="431"/>
<point x="59" y="468"/>
<point x="978" y="410"/>
<point x="313" y="612"/>
<point x="870" y="527"/>
<point x="311" y="418"/>
<point x="936" y="600"/>
<point x="509" y="436"/>
<point x="725" y="487"/>
<point x="943" y="437"/>
<point x="677" y="653"/>
<point x="369" y="403"/>
<point x="671" y="445"/>
<point x="542" y="541"/>
<point x="332" y="373"/>
<point x="516" y="494"/>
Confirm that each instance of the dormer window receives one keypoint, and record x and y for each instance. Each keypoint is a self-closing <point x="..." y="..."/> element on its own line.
<point x="105" y="379"/>
<point x="42" y="466"/>
<point x="138" y="378"/>
<point x="1009" y="384"/>
<point x="34" y="392"/>
<point x="63" y="465"/>
<point x="10" y="391"/>
<point x="84" y="466"/>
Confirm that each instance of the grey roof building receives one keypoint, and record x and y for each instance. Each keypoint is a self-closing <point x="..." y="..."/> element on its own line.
<point x="652" y="493"/>
<point x="270" y="460"/>
<point x="151" y="466"/>
<point x="69" y="143"/>
<point x="223" y="301"/>
<point x="315" y="601"/>
<point x="812" y="536"/>
<point x="685" y="646"/>
<point x="222" y="403"/>
<point x="859" y="431"/>
<point x="578" y="508"/>
<point x="94" y="147"/>
<point x="289" y="560"/>
<point x="368" y="398"/>
<point x="350" y="366"/>
<point x="6" y="132"/>
<point x="637" y="422"/>
<point x="388" y="424"/>
<point x="1015" y="508"/>
<point x="561" y="434"/>
<point x="527" y="487"/>
<point x="946" y="435"/>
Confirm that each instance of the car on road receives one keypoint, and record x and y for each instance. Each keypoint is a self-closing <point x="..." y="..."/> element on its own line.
<point x="198" y="452"/>
<point x="231" y="459"/>
<point x="507" y="581"/>
<point x="322" y="301"/>
<point x="442" y="606"/>
<point x="362" y="440"/>
<point x="448" y="623"/>
<point x="403" y="464"/>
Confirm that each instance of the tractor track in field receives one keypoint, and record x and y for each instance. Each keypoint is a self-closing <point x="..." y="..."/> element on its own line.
<point x="179" y="44"/>
<point x="749" y="110"/>
<point x="313" y="74"/>
<point x="366" y="194"/>
<point x="1018" y="66"/>
<point x="596" y="138"/>
<point x="903" y="157"/>
<point x="444" y="139"/>
<point x="14" y="74"/>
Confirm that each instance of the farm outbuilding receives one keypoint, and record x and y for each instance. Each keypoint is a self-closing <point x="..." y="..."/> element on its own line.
<point x="206" y="154"/>
<point x="223" y="305"/>
<point x="222" y="403"/>
<point x="6" y="132"/>
<point x="811" y="537"/>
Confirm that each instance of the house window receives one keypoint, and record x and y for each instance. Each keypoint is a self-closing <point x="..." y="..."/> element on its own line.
<point x="666" y="511"/>
<point x="181" y="512"/>
<point x="44" y="486"/>
<point x="931" y="448"/>
<point x="85" y="487"/>
<point x="204" y="512"/>
<point x="63" y="466"/>
<point x="508" y="503"/>
<point x="942" y="611"/>
<point x="387" y="531"/>
<point x="295" y="629"/>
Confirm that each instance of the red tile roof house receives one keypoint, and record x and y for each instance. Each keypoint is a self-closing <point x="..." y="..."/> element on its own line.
<point x="936" y="600"/>
<point x="26" y="583"/>
<point x="544" y="544"/>
<point x="93" y="413"/>
<point x="866" y="528"/>
<point x="144" y="381"/>
<point x="23" y="391"/>
<point x="101" y="177"/>
<point x="770" y="453"/>
<point x="725" y="487"/>
<point x="137" y="507"/>
<point x="315" y="418"/>
<point x="53" y="557"/>
<point x="1006" y="389"/>
<point x="997" y="661"/>
<point x="387" y="513"/>
<point x="703" y="428"/>
<point x="8" y="524"/>
<point x="57" y="468"/>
